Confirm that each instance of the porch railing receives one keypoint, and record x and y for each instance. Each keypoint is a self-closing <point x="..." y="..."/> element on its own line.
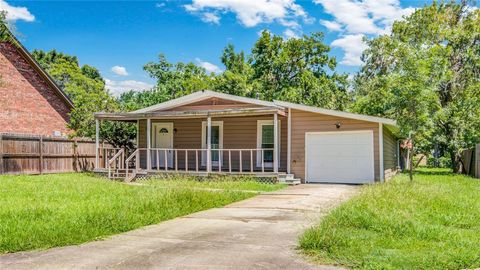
<point x="116" y="162"/>
<point x="105" y="154"/>
<point x="195" y="160"/>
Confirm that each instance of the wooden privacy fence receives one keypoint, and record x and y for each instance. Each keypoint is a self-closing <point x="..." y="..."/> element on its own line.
<point x="21" y="154"/>
<point x="471" y="161"/>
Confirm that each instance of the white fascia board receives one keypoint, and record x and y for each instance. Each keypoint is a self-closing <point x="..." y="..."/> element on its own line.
<point x="362" y="117"/>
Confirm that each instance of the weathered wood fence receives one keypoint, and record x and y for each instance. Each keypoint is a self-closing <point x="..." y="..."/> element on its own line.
<point x="471" y="161"/>
<point x="20" y="154"/>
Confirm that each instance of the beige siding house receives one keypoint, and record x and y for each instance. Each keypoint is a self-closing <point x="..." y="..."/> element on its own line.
<point x="214" y="133"/>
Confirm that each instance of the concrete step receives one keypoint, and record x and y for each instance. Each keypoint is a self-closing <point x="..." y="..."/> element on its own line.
<point x="285" y="176"/>
<point x="295" y="181"/>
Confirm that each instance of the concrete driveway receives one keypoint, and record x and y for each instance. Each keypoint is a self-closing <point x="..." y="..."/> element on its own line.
<point x="258" y="233"/>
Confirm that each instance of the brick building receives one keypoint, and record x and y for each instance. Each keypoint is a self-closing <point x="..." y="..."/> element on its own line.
<point x="30" y="101"/>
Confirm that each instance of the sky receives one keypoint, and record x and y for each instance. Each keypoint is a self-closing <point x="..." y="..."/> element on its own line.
<point x="120" y="37"/>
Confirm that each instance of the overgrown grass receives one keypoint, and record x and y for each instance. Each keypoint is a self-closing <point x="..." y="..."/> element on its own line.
<point x="38" y="212"/>
<point x="215" y="182"/>
<point x="430" y="223"/>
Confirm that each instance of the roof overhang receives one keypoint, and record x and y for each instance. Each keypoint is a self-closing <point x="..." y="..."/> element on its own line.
<point x="342" y="114"/>
<point x="190" y="114"/>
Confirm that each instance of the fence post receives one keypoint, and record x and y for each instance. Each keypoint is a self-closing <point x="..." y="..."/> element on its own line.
<point x="40" y="152"/>
<point x="75" y="155"/>
<point x="1" y="154"/>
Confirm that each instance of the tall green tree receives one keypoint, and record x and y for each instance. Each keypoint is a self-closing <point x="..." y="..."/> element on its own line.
<point x="86" y="88"/>
<point x="237" y="79"/>
<point x="425" y="74"/>
<point x="177" y="79"/>
<point x="298" y="70"/>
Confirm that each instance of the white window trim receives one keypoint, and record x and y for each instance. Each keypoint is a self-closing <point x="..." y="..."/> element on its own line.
<point x="260" y="123"/>
<point x="204" y="143"/>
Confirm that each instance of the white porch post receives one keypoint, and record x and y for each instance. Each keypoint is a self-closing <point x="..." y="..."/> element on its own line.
<point x="97" y="143"/>
<point x="289" y="140"/>
<point x="209" y="144"/>
<point x="149" y="143"/>
<point x="275" y="142"/>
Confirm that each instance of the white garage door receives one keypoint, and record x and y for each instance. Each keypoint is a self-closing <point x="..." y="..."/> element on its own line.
<point x="339" y="157"/>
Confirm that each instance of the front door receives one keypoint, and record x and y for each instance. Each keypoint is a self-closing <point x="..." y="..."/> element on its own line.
<point x="162" y="137"/>
<point x="216" y="142"/>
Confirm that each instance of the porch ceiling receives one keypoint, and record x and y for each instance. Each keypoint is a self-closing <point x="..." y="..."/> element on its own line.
<point x="190" y="114"/>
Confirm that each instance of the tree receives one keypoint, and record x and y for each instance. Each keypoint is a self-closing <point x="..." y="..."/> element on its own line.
<point x="86" y="88"/>
<point x="237" y="79"/>
<point x="298" y="70"/>
<point x="425" y="74"/>
<point x="179" y="79"/>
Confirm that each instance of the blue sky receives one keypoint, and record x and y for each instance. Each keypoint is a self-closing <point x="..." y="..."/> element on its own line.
<point x="120" y="37"/>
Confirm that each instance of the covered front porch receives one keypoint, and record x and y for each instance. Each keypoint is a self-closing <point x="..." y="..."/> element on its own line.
<point x="247" y="140"/>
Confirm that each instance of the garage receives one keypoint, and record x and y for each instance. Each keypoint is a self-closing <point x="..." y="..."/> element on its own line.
<point x="339" y="157"/>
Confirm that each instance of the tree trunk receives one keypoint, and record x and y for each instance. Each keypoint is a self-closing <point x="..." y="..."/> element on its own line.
<point x="410" y="174"/>
<point x="456" y="162"/>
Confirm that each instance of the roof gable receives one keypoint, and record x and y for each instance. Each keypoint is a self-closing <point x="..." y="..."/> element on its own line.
<point x="203" y="95"/>
<point x="207" y="94"/>
<point x="34" y="64"/>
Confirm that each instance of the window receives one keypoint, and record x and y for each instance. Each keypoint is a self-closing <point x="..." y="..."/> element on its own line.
<point x="216" y="142"/>
<point x="265" y="140"/>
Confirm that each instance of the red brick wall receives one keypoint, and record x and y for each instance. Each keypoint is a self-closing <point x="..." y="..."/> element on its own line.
<point x="28" y="104"/>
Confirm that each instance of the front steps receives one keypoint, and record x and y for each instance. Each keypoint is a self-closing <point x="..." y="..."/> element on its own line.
<point x="288" y="179"/>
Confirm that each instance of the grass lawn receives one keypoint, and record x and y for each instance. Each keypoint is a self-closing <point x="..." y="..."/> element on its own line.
<point x="432" y="223"/>
<point x="38" y="212"/>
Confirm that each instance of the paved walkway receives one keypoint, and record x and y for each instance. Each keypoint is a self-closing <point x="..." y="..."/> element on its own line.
<point x="258" y="233"/>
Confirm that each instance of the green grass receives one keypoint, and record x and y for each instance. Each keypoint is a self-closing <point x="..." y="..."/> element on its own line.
<point x="38" y="212"/>
<point x="432" y="223"/>
<point x="245" y="183"/>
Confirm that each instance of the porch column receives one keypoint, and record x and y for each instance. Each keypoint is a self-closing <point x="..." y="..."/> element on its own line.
<point x="289" y="141"/>
<point x="275" y="142"/>
<point x="149" y="143"/>
<point x="97" y="143"/>
<point x="209" y="144"/>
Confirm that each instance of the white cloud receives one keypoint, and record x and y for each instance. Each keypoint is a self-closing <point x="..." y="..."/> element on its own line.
<point x="119" y="70"/>
<point x="251" y="13"/>
<point x="118" y="87"/>
<point x="208" y="66"/>
<point x="332" y="26"/>
<point x="367" y="16"/>
<point x="160" y="5"/>
<point x="358" y="18"/>
<point x="16" y="13"/>
<point x="289" y="33"/>
<point x="210" y="17"/>
<point x="353" y="47"/>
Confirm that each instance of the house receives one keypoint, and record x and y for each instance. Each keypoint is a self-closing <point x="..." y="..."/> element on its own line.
<point x="30" y="101"/>
<point x="208" y="132"/>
